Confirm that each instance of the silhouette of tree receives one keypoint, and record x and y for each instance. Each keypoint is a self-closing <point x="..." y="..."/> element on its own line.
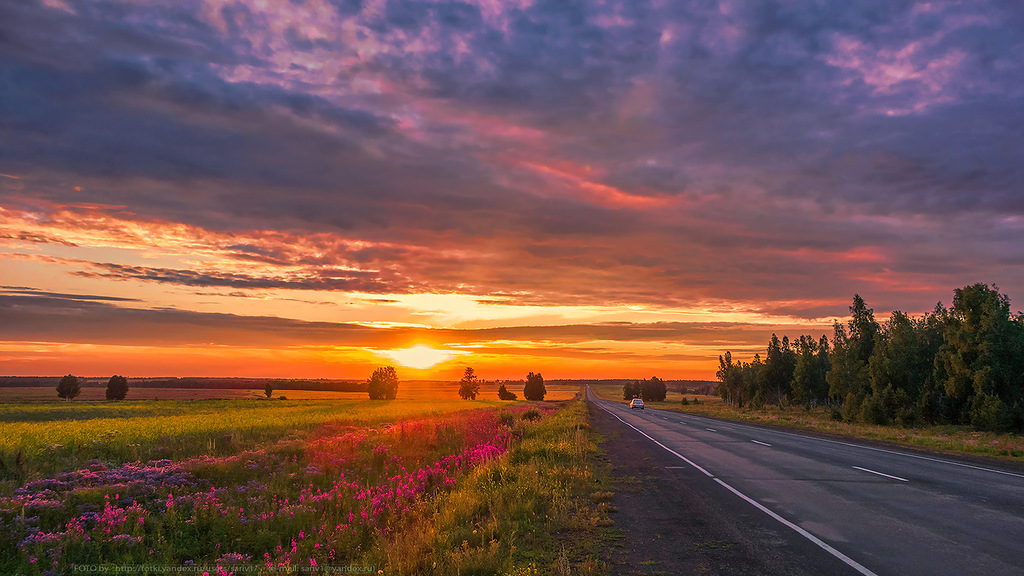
<point x="383" y="385"/>
<point x="468" y="386"/>
<point x="534" y="389"/>
<point x="117" y="388"/>
<point x="68" y="387"/>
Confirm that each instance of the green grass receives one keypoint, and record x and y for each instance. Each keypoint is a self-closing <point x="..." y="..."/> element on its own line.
<point x="58" y="436"/>
<point x="954" y="440"/>
<point x="538" y="509"/>
<point x="529" y="512"/>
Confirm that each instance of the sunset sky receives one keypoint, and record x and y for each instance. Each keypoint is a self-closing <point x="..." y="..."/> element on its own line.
<point x="592" y="188"/>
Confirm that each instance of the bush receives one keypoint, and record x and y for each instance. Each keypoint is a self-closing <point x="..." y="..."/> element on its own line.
<point x="383" y="385"/>
<point x="531" y="414"/>
<point x="117" y="388"/>
<point x="268" y="390"/>
<point x="504" y="394"/>
<point x="631" y="390"/>
<point x="506" y="418"/>
<point x="989" y="412"/>
<point x="534" y="389"/>
<point x="685" y="402"/>
<point x="68" y="387"/>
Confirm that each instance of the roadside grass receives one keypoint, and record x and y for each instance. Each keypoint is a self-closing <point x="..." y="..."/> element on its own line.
<point x="529" y="512"/>
<point x="953" y="440"/>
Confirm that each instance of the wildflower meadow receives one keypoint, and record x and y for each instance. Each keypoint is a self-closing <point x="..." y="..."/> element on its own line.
<point x="344" y="495"/>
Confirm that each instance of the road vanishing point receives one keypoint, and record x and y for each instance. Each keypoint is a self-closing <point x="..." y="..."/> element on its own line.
<point x="875" y="511"/>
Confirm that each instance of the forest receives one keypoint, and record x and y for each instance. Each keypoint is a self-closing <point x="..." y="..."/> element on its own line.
<point x="961" y="365"/>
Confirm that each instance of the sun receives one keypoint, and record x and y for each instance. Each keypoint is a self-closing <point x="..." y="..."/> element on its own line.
<point x="420" y="356"/>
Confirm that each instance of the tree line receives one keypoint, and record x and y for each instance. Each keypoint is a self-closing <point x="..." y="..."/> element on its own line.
<point x="957" y="365"/>
<point x="649" y="390"/>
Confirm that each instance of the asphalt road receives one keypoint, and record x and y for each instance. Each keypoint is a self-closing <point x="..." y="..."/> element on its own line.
<point x="873" y="510"/>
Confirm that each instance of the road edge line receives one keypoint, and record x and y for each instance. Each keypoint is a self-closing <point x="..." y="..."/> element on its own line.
<point x="811" y="537"/>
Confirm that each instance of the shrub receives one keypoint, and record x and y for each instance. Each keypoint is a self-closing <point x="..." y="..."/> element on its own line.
<point x="506" y="418"/>
<point x="504" y="394"/>
<point x="68" y="387"/>
<point x="117" y="388"/>
<point x="631" y="390"/>
<point x="268" y="390"/>
<point x="531" y="414"/>
<point x="989" y="412"/>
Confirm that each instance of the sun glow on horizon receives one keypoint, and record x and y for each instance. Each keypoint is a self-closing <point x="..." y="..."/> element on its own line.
<point x="420" y="356"/>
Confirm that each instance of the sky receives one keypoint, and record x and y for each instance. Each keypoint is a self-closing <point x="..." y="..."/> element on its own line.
<point x="586" y="189"/>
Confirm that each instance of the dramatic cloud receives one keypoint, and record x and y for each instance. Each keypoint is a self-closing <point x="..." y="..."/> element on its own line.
<point x="762" y="161"/>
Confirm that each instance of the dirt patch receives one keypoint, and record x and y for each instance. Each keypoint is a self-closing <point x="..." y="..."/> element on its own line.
<point x="671" y="519"/>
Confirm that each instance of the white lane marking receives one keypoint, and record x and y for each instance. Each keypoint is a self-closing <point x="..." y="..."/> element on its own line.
<point x="711" y="430"/>
<point x="843" y="557"/>
<point x="884" y="451"/>
<point x="880" y="474"/>
<point x="761" y="443"/>
<point x="846" y="559"/>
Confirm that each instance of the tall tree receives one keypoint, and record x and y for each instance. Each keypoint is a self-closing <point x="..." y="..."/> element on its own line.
<point x="534" y="389"/>
<point x="983" y="357"/>
<point x="809" y="386"/>
<point x="730" y="377"/>
<point x="68" y="387"/>
<point x="468" y="386"/>
<point x="777" y="374"/>
<point x="117" y="388"/>
<point x="849" y="379"/>
<point x="383" y="385"/>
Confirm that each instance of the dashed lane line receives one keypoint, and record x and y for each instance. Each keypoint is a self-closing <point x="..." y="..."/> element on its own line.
<point x="811" y="537"/>
<point x="881" y="474"/>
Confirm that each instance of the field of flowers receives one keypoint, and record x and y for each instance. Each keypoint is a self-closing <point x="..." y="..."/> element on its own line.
<point x="55" y="436"/>
<point x="353" y="495"/>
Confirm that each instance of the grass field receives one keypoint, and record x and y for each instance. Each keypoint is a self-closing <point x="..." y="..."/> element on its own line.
<point x="956" y="440"/>
<point x="412" y="486"/>
<point x="413" y="390"/>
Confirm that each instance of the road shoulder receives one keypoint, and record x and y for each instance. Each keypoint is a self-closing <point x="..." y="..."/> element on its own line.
<point x="671" y="519"/>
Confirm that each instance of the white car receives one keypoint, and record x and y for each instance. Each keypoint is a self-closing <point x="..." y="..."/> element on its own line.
<point x="636" y="403"/>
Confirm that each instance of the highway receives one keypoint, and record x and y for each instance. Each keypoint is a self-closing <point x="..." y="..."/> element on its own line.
<point x="876" y="511"/>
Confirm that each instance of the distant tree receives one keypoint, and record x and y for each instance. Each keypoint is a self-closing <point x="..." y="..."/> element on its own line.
<point x="653" y="390"/>
<point x="534" y="389"/>
<point x="383" y="385"/>
<point x="468" y="386"/>
<point x="631" y="390"/>
<point x="117" y="388"/>
<point x="68" y="387"/>
<point x="504" y="394"/>
<point x="268" y="389"/>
